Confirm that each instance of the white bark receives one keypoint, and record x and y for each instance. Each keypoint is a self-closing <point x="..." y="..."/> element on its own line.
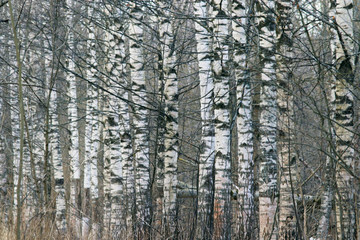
<point x="57" y="162"/>
<point x="327" y="197"/>
<point x="128" y="161"/>
<point x="93" y="104"/>
<point x="244" y="120"/>
<point x="92" y="116"/>
<point x="141" y="145"/>
<point x="73" y="119"/>
<point x="171" y="115"/>
<point x="16" y="141"/>
<point x="206" y="161"/>
<point x="92" y="129"/>
<point x="326" y="201"/>
<point x="286" y="149"/>
<point x="112" y="151"/>
<point x="30" y="109"/>
<point x="52" y="154"/>
<point x="8" y="127"/>
<point x="126" y="153"/>
<point x="220" y="71"/>
<point x="6" y="157"/>
<point x="38" y="138"/>
<point x="344" y="115"/>
<point x="3" y="164"/>
<point x="268" y="192"/>
<point x="107" y="117"/>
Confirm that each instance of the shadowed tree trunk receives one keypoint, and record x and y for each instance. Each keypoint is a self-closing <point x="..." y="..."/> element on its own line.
<point x="286" y="136"/>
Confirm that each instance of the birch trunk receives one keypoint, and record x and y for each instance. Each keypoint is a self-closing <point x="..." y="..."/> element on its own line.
<point x="113" y="154"/>
<point x="327" y="197"/>
<point x="168" y="53"/>
<point x="268" y="192"/>
<point x="32" y="200"/>
<point x="286" y="150"/>
<point x="128" y="159"/>
<point x="206" y="162"/>
<point x="87" y="167"/>
<point x="49" y="83"/>
<point x="106" y="135"/>
<point x="160" y="147"/>
<point x="57" y="162"/>
<point x="38" y="139"/>
<point x="141" y="145"/>
<point x="73" y="118"/>
<point x="93" y="103"/>
<point x="9" y="156"/>
<point x="3" y="165"/>
<point x="344" y="117"/>
<point x="107" y="120"/>
<point x="123" y="75"/>
<point x="220" y="70"/>
<point x="240" y="26"/>
<point x="15" y="118"/>
<point x="21" y="118"/>
<point x="7" y="179"/>
<point x="92" y="123"/>
<point x="127" y="154"/>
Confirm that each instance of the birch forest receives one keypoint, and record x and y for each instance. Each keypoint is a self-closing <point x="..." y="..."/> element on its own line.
<point x="179" y="119"/>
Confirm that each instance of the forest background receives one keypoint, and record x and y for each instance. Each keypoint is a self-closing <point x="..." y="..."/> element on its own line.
<point x="231" y="119"/>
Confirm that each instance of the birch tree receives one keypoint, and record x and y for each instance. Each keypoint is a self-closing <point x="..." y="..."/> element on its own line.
<point x="220" y="70"/>
<point x="168" y="53"/>
<point x="3" y="165"/>
<point x="57" y="162"/>
<point x="240" y="31"/>
<point x="3" y="173"/>
<point x="157" y="80"/>
<point x="92" y="119"/>
<point x="16" y="148"/>
<point x="127" y="154"/>
<point x="286" y="149"/>
<point x="21" y="122"/>
<point x="122" y="177"/>
<point x="141" y="144"/>
<point x="206" y="162"/>
<point x="31" y="126"/>
<point x="34" y="123"/>
<point x="329" y="188"/>
<point x="327" y="197"/>
<point x="7" y="125"/>
<point x="344" y="116"/>
<point x="73" y="119"/>
<point x="268" y="192"/>
<point x="114" y="154"/>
